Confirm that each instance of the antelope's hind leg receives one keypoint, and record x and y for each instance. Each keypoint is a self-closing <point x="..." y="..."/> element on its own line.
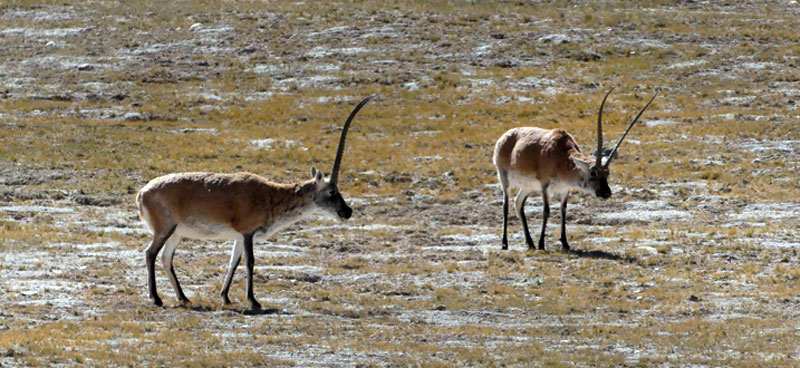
<point x="166" y="260"/>
<point x="545" y="215"/>
<point x="503" y="175"/>
<point x="236" y="257"/>
<point x="519" y="203"/>
<point x="151" y="253"/>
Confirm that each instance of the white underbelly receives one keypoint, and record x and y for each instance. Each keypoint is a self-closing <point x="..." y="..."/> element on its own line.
<point x="201" y="230"/>
<point x="526" y="183"/>
<point x="195" y="229"/>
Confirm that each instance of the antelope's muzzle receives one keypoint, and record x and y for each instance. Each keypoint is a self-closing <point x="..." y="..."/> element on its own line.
<point x="604" y="193"/>
<point x="345" y="212"/>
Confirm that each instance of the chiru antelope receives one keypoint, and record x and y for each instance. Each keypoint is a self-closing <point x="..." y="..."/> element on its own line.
<point x="238" y="207"/>
<point x="534" y="159"/>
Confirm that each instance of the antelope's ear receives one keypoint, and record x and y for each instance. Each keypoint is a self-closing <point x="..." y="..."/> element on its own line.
<point x="581" y="164"/>
<point x="317" y="175"/>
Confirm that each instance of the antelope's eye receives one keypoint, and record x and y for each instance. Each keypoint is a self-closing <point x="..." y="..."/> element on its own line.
<point x="593" y="173"/>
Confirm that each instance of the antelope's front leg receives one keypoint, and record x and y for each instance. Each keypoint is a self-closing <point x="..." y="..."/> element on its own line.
<point x="249" y="261"/>
<point x="564" y="243"/>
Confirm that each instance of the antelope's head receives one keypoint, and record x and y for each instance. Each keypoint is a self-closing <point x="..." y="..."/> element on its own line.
<point x="595" y="172"/>
<point x="327" y="196"/>
<point x="594" y="177"/>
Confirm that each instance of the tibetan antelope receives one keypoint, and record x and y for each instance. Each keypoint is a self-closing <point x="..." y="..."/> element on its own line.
<point x="535" y="159"/>
<point x="237" y="207"/>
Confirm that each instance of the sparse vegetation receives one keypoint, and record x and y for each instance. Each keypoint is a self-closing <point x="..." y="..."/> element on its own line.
<point x="693" y="261"/>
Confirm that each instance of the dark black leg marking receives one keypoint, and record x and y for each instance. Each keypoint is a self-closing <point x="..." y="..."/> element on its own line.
<point x="168" y="257"/>
<point x="150" y="260"/>
<point x="564" y="244"/>
<point x="528" y="239"/>
<point x="505" y="221"/>
<point x="249" y="263"/>
<point x="227" y="285"/>
<point x="181" y="296"/>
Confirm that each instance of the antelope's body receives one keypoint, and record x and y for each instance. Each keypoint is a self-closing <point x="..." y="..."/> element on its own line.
<point x="222" y="206"/>
<point x="239" y="207"/>
<point x="534" y="157"/>
<point x="551" y="162"/>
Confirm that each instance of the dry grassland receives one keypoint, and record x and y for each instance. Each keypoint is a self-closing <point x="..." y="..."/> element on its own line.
<point x="692" y="262"/>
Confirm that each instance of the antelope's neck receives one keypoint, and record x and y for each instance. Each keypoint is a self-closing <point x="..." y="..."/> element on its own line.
<point x="573" y="174"/>
<point x="290" y="203"/>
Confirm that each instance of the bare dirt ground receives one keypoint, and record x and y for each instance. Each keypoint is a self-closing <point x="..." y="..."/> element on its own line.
<point x="692" y="262"/>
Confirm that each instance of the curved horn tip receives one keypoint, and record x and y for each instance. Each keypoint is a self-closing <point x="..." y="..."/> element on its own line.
<point x="630" y="125"/>
<point x="599" y="154"/>
<point x="340" y="150"/>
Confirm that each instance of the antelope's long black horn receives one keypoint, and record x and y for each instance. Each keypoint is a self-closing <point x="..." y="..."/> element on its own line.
<point x="340" y="150"/>
<point x="599" y="157"/>
<point x="614" y="152"/>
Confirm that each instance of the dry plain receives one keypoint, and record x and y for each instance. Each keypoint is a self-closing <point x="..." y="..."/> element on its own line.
<point x="692" y="262"/>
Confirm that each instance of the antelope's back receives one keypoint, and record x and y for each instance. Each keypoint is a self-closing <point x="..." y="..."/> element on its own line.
<point x="535" y="152"/>
<point x="219" y="198"/>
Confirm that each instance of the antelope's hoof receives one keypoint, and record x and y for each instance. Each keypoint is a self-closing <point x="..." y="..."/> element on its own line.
<point x="254" y="305"/>
<point x="157" y="301"/>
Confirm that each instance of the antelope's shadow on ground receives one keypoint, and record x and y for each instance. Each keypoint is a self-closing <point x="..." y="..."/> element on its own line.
<point x="233" y="310"/>
<point x="599" y="254"/>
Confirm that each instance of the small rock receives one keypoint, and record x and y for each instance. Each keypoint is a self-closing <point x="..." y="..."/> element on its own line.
<point x="694" y="299"/>
<point x="588" y="55"/>
<point x="196" y="27"/>
<point x="606" y="151"/>
<point x="133" y="116"/>
<point x="433" y="183"/>
<point x="249" y="49"/>
<point x="556" y="39"/>
<point x="505" y="64"/>
<point x="646" y="249"/>
<point x="306" y="277"/>
<point x="472" y="194"/>
<point x="424" y="198"/>
<point x="94" y="201"/>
